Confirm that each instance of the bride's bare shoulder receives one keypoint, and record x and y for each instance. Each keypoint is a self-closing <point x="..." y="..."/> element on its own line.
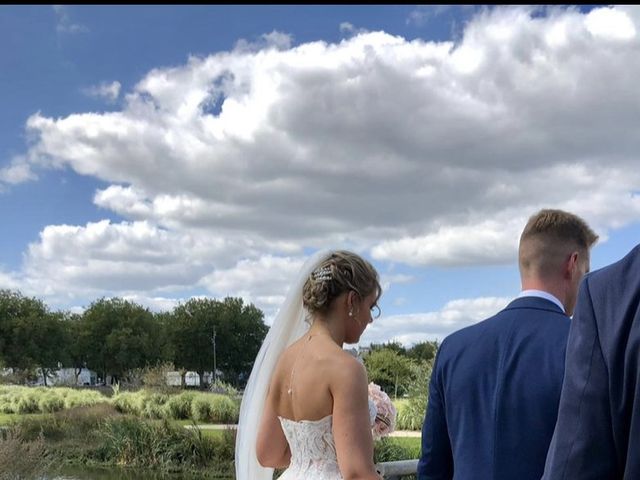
<point x="347" y="367"/>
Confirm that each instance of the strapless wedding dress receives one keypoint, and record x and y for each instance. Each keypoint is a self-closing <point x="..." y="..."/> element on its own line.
<point x="313" y="449"/>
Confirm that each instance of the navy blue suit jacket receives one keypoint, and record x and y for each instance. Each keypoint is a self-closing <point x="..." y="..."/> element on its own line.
<point x="598" y="431"/>
<point x="493" y="395"/>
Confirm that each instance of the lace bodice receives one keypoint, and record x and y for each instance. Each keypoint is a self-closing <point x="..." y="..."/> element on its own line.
<point x="313" y="450"/>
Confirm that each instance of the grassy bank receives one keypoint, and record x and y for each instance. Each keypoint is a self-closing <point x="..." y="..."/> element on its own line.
<point x="132" y="430"/>
<point x="99" y="435"/>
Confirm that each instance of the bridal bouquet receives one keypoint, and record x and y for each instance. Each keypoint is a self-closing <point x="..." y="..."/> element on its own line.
<point x="385" y="422"/>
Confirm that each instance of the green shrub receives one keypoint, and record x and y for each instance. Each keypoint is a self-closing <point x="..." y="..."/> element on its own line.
<point x="390" y="450"/>
<point x="201" y="408"/>
<point x="411" y="411"/>
<point x="178" y="407"/>
<point x="49" y="403"/>
<point x="82" y="398"/>
<point x="27" y="403"/>
<point x="224" y="410"/>
<point x="153" y="405"/>
<point x="127" y="403"/>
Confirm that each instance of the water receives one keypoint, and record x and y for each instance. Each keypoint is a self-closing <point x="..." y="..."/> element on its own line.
<point x="94" y="473"/>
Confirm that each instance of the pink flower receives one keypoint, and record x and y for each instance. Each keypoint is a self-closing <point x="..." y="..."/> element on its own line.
<point x="385" y="421"/>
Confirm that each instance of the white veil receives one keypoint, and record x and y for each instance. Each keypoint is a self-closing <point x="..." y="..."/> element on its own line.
<point x="288" y="326"/>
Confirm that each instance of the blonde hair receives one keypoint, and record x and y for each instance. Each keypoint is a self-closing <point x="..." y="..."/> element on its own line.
<point x="548" y="237"/>
<point x="343" y="271"/>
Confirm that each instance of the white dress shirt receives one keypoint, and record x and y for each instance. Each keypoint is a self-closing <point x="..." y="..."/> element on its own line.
<point x="542" y="294"/>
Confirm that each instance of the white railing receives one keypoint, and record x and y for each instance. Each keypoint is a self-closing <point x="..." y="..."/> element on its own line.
<point x="397" y="470"/>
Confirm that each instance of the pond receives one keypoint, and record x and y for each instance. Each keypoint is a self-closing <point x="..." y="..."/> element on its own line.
<point x="94" y="473"/>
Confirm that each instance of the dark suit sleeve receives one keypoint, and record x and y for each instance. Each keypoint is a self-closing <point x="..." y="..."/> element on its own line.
<point x="436" y="460"/>
<point x="582" y="445"/>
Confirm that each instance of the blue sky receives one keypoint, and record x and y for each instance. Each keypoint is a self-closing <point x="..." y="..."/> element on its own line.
<point x="157" y="153"/>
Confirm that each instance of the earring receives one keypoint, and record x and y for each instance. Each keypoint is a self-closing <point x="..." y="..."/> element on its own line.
<point x="351" y="312"/>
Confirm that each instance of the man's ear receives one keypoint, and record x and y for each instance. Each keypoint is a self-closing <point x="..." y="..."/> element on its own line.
<point x="571" y="265"/>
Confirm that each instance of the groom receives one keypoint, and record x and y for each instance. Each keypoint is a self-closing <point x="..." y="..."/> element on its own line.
<point x="495" y="387"/>
<point x="598" y="429"/>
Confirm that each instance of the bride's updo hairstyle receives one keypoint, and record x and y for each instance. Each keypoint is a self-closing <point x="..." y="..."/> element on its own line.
<point x="341" y="272"/>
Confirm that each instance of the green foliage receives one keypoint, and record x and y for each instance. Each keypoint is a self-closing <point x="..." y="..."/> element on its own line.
<point x="201" y="407"/>
<point x="392" y="449"/>
<point x="24" y="400"/>
<point x="223" y="388"/>
<point x="412" y="412"/>
<point x="121" y="339"/>
<point x="178" y="407"/>
<point x="100" y="435"/>
<point x="424" y="351"/>
<point x="30" y="336"/>
<point x="50" y="402"/>
<point x="392" y="345"/>
<point x="224" y="410"/>
<point x="128" y="441"/>
<point x="242" y="330"/>
<point x="118" y="336"/>
<point x="239" y="332"/>
<point x="388" y="369"/>
<point x="155" y="376"/>
<point x="78" y="422"/>
<point x="153" y="405"/>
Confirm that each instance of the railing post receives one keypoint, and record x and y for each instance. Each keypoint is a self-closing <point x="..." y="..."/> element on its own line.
<point x="398" y="469"/>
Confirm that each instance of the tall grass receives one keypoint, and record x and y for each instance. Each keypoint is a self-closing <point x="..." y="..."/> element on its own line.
<point x="20" y="459"/>
<point x="411" y="411"/>
<point x="25" y="400"/>
<point x="100" y="435"/>
<point x="199" y="406"/>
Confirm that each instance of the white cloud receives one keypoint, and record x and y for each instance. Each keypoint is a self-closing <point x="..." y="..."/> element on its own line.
<point x="610" y="24"/>
<point x="425" y="153"/>
<point x="18" y="171"/>
<point x="304" y="148"/>
<point x="109" y="91"/>
<point x="64" y="22"/>
<point x="263" y="281"/>
<point x="347" y="28"/>
<point x="120" y="259"/>
<point x="8" y="281"/>
<point x="421" y="15"/>
<point x="275" y="39"/>
<point x="418" y="327"/>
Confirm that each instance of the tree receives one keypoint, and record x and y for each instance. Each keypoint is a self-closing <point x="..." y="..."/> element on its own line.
<point x="242" y="331"/>
<point x="120" y="336"/>
<point x="31" y="336"/>
<point x="77" y="343"/>
<point x="191" y="330"/>
<point x="424" y="351"/>
<point x="392" y="345"/>
<point x="388" y="369"/>
<point x="238" y="330"/>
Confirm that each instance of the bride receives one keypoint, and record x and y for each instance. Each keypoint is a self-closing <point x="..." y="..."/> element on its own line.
<point x="306" y="405"/>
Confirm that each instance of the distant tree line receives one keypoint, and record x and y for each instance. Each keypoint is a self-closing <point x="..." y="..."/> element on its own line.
<point x="114" y="337"/>
<point x="398" y="369"/>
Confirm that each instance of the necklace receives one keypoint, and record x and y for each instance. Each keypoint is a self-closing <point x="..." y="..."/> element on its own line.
<point x="295" y="362"/>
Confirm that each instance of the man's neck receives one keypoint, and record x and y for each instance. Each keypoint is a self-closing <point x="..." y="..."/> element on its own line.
<point x="546" y="287"/>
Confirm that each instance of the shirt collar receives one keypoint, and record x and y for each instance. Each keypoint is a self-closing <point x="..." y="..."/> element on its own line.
<point x="542" y="294"/>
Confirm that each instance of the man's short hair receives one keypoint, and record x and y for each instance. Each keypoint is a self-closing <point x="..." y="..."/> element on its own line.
<point x="549" y="237"/>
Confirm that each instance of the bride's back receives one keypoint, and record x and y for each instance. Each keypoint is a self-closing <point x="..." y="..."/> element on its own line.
<point x="316" y="419"/>
<point x="301" y="383"/>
